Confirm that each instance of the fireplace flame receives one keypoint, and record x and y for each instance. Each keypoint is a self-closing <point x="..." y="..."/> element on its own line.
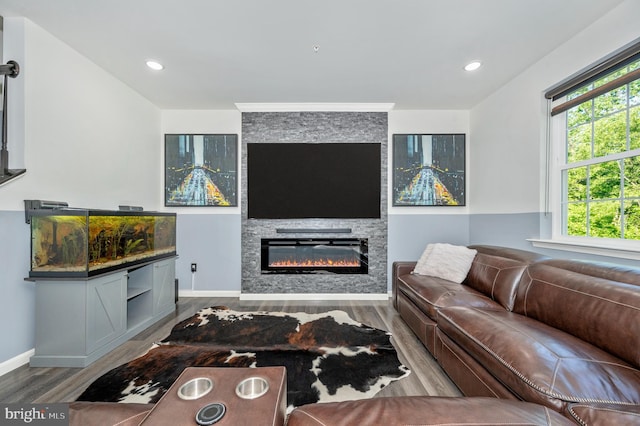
<point x="314" y="263"/>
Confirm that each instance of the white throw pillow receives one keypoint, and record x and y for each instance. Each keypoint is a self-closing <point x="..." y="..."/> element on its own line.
<point x="445" y="261"/>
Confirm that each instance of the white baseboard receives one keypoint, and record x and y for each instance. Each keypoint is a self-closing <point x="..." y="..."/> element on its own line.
<point x="314" y="296"/>
<point x="284" y="296"/>
<point x="15" y="362"/>
<point x="208" y="293"/>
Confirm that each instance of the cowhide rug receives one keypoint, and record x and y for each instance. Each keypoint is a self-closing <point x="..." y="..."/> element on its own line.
<point x="328" y="356"/>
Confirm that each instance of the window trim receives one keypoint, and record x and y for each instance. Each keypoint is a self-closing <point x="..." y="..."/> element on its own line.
<point x="614" y="248"/>
<point x="556" y="164"/>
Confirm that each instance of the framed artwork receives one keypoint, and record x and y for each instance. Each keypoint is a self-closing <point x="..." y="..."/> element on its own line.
<point x="201" y="170"/>
<point x="429" y="170"/>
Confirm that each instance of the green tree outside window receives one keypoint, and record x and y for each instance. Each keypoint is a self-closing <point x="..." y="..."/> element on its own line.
<point x="602" y="193"/>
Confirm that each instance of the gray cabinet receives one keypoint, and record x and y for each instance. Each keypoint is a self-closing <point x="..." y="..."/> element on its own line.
<point x="164" y="291"/>
<point x="105" y="313"/>
<point x="78" y="320"/>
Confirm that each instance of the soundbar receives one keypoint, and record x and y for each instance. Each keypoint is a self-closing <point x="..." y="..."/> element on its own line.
<point x="313" y="230"/>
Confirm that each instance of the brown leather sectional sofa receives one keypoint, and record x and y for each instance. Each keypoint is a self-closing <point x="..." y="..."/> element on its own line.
<point x="418" y="410"/>
<point x="564" y="334"/>
<point x="528" y="339"/>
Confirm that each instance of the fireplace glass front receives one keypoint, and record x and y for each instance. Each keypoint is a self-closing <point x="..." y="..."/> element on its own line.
<point x="314" y="256"/>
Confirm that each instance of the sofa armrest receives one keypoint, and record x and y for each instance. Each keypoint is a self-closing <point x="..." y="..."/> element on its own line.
<point x="398" y="269"/>
<point x="82" y="413"/>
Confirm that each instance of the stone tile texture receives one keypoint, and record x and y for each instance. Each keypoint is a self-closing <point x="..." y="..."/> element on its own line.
<point x="315" y="127"/>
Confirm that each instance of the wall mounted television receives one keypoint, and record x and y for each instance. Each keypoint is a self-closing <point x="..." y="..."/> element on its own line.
<point x="313" y="180"/>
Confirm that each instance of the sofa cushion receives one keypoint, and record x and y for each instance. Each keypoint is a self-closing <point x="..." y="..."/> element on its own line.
<point x="609" y="271"/>
<point x="537" y="362"/>
<point x="430" y="294"/>
<point x="446" y="261"/>
<point x="601" y="311"/>
<point x="497" y="277"/>
<point x="469" y="376"/>
<point x="490" y="283"/>
<point x="419" y="267"/>
<point x="426" y="411"/>
<point x="523" y="256"/>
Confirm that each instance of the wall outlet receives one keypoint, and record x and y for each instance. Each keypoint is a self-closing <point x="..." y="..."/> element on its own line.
<point x="194" y="267"/>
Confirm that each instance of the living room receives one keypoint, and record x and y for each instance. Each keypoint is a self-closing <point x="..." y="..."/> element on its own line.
<point x="87" y="138"/>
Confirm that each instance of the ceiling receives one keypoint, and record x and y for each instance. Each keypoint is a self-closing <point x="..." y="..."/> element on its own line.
<point x="218" y="53"/>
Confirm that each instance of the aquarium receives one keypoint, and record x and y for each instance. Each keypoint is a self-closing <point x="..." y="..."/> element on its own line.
<point x="83" y="243"/>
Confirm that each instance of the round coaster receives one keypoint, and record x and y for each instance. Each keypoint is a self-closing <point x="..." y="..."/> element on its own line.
<point x="210" y="414"/>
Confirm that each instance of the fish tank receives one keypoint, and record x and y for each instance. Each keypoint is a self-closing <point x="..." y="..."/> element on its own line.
<point x="84" y="243"/>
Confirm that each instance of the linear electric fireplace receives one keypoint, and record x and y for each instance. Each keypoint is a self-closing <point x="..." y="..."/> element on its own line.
<point x="314" y="256"/>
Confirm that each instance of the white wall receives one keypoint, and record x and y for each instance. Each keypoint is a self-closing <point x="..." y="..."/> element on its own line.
<point x="207" y="236"/>
<point x="202" y="122"/>
<point x="508" y="191"/>
<point x="13" y="49"/>
<point x="428" y="122"/>
<point x="412" y="228"/>
<point x="508" y="127"/>
<point x="210" y="236"/>
<point x="87" y="139"/>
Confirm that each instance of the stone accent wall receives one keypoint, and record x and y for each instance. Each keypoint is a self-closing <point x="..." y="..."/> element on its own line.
<point x="314" y="127"/>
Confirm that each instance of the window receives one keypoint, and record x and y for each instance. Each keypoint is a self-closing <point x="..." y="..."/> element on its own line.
<point x="597" y="119"/>
<point x="601" y="171"/>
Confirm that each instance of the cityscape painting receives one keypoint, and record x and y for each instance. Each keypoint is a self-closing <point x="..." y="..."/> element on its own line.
<point x="201" y="170"/>
<point x="428" y="170"/>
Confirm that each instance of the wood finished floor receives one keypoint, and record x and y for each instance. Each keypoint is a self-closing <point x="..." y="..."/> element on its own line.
<point x="30" y="385"/>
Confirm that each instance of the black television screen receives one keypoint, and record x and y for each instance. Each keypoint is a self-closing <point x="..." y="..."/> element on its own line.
<point x="313" y="180"/>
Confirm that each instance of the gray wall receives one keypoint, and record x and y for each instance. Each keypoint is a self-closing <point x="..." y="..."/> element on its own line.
<point x="212" y="241"/>
<point x="315" y="127"/>
<point x="510" y="230"/>
<point x="513" y="230"/>
<point x="409" y="234"/>
<point x="16" y="295"/>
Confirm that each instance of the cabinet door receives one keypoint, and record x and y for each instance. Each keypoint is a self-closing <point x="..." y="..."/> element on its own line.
<point x="106" y="309"/>
<point x="164" y="275"/>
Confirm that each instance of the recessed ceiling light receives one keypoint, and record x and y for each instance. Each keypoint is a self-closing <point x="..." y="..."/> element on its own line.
<point x="472" y="66"/>
<point x="155" y="65"/>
